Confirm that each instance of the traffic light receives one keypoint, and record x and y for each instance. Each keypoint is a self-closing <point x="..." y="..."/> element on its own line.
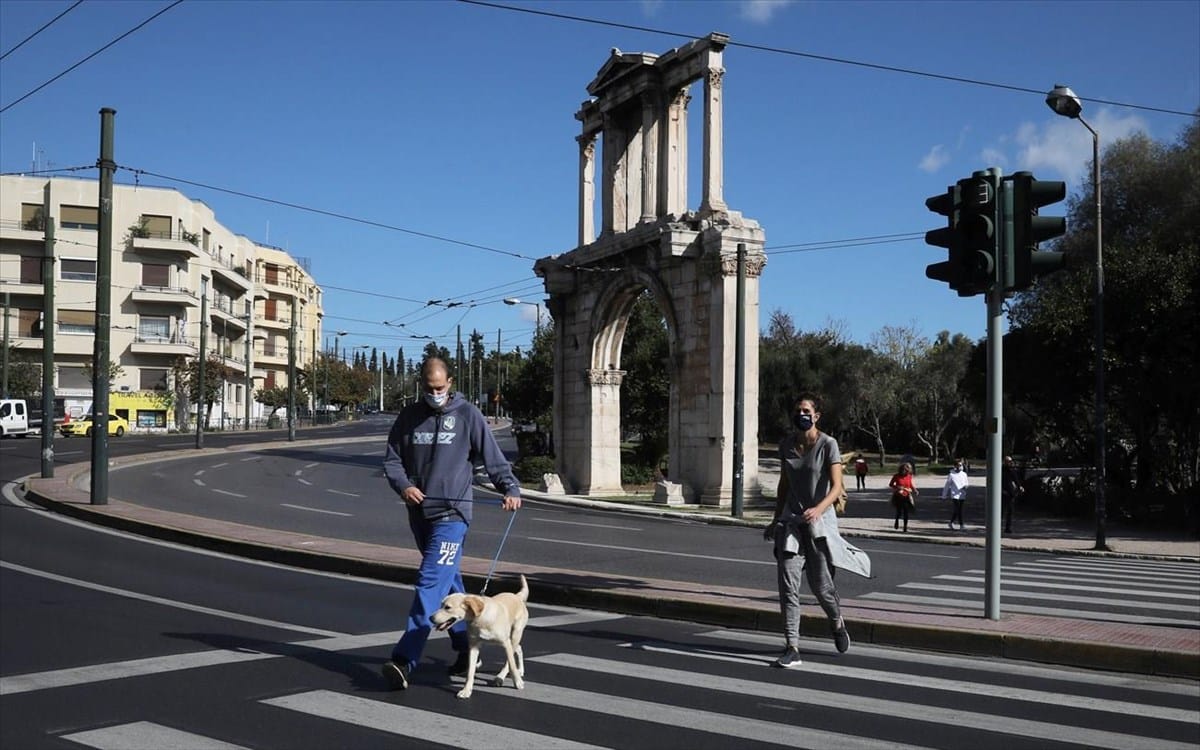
<point x="979" y="223"/>
<point x="971" y="234"/>
<point x="1025" y="262"/>
<point x="946" y="204"/>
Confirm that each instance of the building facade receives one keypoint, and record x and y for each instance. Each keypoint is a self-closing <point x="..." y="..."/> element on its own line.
<point x="176" y="272"/>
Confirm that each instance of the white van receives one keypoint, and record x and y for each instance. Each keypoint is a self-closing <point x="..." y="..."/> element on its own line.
<point x="14" y="417"/>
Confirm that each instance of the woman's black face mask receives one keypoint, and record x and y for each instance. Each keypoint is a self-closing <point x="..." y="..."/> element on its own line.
<point x="803" y="422"/>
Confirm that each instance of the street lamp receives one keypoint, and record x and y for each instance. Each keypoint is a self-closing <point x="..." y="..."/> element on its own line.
<point x="1064" y="102"/>
<point x="538" y="305"/>
<point x="338" y="335"/>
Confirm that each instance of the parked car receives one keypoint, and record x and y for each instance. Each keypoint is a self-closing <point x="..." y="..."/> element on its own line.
<point x="14" y="417"/>
<point x="83" y="426"/>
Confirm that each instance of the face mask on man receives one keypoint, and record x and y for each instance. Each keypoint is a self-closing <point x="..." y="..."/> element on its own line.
<point x="437" y="400"/>
<point x="803" y="422"/>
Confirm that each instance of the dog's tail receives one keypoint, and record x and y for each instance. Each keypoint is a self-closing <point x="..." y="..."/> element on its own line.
<point x="524" y="592"/>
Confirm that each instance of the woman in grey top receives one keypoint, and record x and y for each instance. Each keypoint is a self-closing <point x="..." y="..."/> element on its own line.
<point x="804" y="527"/>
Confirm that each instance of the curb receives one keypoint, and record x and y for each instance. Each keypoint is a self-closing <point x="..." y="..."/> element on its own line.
<point x="751" y="615"/>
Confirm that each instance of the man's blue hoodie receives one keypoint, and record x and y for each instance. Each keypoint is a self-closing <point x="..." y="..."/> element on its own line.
<point x="436" y="451"/>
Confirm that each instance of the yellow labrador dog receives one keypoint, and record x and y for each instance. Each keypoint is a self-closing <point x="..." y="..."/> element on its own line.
<point x="500" y="619"/>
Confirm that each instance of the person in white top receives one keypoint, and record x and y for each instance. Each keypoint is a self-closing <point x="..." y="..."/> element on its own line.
<point x="955" y="489"/>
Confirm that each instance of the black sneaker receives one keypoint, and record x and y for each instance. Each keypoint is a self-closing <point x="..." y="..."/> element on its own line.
<point x="460" y="665"/>
<point x="395" y="674"/>
<point x="788" y="659"/>
<point x="841" y="639"/>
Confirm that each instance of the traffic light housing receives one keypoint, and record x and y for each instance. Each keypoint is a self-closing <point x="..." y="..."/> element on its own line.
<point x="1024" y="262"/>
<point x="972" y="234"/>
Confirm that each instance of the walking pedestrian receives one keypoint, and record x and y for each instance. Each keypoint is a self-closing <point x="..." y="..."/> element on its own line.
<point x="1010" y="487"/>
<point x="431" y="450"/>
<point x="903" y="494"/>
<point x="804" y="528"/>
<point x="861" y="469"/>
<point x="955" y="490"/>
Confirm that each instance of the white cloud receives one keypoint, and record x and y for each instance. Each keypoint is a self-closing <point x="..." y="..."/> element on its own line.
<point x="761" y="11"/>
<point x="1065" y="147"/>
<point x="651" y="7"/>
<point x="993" y="157"/>
<point x="935" y="159"/>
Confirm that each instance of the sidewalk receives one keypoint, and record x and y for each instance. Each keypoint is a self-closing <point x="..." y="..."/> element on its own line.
<point x="1146" y="649"/>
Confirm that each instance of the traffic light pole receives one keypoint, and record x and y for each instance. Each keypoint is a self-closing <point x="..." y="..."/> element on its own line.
<point x="995" y="449"/>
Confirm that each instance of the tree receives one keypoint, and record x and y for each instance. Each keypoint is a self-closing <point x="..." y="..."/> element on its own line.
<point x="24" y="374"/>
<point x="529" y="394"/>
<point x="1151" y="320"/>
<point x="936" y="398"/>
<point x="646" y="386"/>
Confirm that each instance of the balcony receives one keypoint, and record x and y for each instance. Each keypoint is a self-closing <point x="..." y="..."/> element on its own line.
<point x="222" y="312"/>
<point x="74" y="344"/>
<point x="277" y="324"/>
<point x="144" y="343"/>
<point x="28" y="231"/>
<point x="230" y="272"/>
<point x="166" y="241"/>
<point x="164" y="295"/>
<point x="14" y="287"/>
<point x="270" y="355"/>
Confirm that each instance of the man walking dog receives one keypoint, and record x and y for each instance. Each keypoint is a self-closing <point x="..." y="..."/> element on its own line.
<point x="429" y="462"/>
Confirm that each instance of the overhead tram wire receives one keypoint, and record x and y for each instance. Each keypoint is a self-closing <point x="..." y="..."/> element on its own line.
<point x="45" y="26"/>
<point x="806" y="247"/>
<point x="811" y="56"/>
<point x="332" y="214"/>
<point x="13" y="103"/>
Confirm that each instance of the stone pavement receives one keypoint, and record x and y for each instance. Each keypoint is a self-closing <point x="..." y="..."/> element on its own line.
<point x="1146" y="649"/>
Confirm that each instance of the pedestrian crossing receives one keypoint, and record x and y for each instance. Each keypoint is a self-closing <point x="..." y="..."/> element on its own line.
<point x="1150" y="592"/>
<point x="715" y="689"/>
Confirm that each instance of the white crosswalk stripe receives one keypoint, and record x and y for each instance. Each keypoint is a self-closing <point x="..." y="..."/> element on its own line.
<point x="419" y="724"/>
<point x="643" y="684"/>
<point x="1117" y="590"/>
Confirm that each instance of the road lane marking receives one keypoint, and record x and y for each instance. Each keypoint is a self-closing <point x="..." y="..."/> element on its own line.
<point x="198" y="473"/>
<point x="217" y="466"/>
<point x="339" y="492"/>
<point x="227" y="492"/>
<point x="741" y="731"/>
<point x="953" y="717"/>
<point x="316" y="510"/>
<point x="198" y="482"/>
<point x="146" y="735"/>
<point x="921" y="681"/>
<point x="997" y="666"/>
<point x="416" y="724"/>
<point x="309" y="466"/>
<point x="591" y="525"/>
<point x="652" y="551"/>
<point x="976" y="606"/>
<point x="1007" y="592"/>
<point x="304" y="481"/>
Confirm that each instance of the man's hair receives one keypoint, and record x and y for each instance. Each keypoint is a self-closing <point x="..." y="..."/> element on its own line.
<point x="807" y="396"/>
<point x="435" y="363"/>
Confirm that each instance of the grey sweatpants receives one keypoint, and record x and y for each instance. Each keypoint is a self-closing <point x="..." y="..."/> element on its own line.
<point x="817" y="566"/>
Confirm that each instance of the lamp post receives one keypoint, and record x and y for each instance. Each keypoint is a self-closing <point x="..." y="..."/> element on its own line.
<point x="538" y="305"/>
<point x="1064" y="102"/>
<point x="325" y="405"/>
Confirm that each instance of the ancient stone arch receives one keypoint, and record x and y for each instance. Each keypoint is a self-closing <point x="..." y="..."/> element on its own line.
<point x="687" y="259"/>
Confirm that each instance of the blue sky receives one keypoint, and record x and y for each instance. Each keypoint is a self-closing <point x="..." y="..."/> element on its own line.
<point x="456" y="121"/>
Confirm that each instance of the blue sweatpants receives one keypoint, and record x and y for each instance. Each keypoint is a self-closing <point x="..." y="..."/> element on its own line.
<point x="441" y="545"/>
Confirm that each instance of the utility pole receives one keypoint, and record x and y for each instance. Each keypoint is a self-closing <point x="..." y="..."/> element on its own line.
<point x="249" y="381"/>
<point x="200" y="365"/>
<point x="497" y="409"/>
<point x="292" y="374"/>
<point x="4" y="364"/>
<point x="100" y="350"/>
<point x="48" y="343"/>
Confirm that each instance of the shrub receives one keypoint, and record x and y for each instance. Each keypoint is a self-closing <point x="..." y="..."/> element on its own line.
<point x="529" y="470"/>
<point x="636" y="473"/>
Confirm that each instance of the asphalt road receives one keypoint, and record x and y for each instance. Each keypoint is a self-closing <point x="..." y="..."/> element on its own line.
<point x="338" y="490"/>
<point x="116" y="642"/>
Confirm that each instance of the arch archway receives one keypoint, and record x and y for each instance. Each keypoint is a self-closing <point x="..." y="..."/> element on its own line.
<point x="686" y="259"/>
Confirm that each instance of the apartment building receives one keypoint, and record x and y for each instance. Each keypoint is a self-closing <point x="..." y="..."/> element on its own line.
<point x="175" y="272"/>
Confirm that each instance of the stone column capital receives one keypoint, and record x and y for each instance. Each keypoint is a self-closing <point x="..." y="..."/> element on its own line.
<point x="605" y="377"/>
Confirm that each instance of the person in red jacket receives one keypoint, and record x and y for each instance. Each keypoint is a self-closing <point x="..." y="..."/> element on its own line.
<point x="903" y="494"/>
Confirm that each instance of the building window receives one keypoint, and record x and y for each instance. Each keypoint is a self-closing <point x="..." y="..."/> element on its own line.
<point x="272" y="273"/>
<point x="152" y="379"/>
<point x="158" y="227"/>
<point x="79" y="217"/>
<point x="29" y="323"/>
<point x="156" y="328"/>
<point x="77" y="321"/>
<point x="75" y="269"/>
<point x="31" y="269"/>
<point x="33" y="218"/>
<point x="206" y="236"/>
<point x="156" y="275"/>
<point x="73" y="377"/>
<point x="151" y="418"/>
<point x="270" y="379"/>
